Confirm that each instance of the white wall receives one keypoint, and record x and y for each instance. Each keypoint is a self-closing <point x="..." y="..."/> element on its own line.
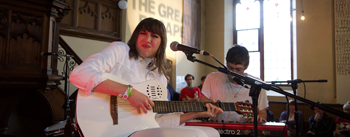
<point x="315" y="49"/>
<point x="215" y="31"/>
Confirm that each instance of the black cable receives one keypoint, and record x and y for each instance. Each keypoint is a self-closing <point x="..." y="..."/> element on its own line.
<point x="218" y="61"/>
<point x="304" y="97"/>
<point x="285" y="124"/>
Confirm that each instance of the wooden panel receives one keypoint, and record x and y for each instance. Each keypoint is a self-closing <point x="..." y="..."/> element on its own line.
<point x="93" y="19"/>
<point x="27" y="28"/>
<point x="109" y="19"/>
<point x="25" y="42"/>
<point x="87" y="16"/>
<point x="4" y="22"/>
<point x="68" y="19"/>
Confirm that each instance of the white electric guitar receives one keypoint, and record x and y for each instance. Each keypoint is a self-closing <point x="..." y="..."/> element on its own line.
<point x="103" y="115"/>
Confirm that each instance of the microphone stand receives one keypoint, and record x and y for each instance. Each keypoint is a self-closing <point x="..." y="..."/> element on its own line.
<point x="70" y="125"/>
<point x="296" y="114"/>
<point x="294" y="85"/>
<point x="256" y="86"/>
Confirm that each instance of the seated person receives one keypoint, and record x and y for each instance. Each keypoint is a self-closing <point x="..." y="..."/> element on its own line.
<point x="190" y="93"/>
<point x="342" y="125"/>
<point x="320" y="124"/>
<point x="173" y="95"/>
<point x="202" y="82"/>
<point x="269" y="114"/>
<point x="291" y="119"/>
<point x="220" y="86"/>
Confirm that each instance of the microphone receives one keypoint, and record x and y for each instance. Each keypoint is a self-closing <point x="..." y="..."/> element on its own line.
<point x="239" y="82"/>
<point x="175" y="46"/>
<point x="48" y="53"/>
<point x="297" y="81"/>
<point x="53" y="54"/>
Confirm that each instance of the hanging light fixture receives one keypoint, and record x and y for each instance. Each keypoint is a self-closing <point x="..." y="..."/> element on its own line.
<point x="302" y="15"/>
<point x="302" y="11"/>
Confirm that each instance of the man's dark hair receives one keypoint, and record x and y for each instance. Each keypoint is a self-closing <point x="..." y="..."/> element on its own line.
<point x="291" y="103"/>
<point x="238" y="55"/>
<point x="203" y="78"/>
<point x="188" y="76"/>
<point x="313" y="107"/>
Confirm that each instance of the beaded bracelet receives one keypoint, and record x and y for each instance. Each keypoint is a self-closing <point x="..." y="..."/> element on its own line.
<point x="127" y="93"/>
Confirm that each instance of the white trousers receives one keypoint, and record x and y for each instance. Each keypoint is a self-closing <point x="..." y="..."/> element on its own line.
<point x="184" y="131"/>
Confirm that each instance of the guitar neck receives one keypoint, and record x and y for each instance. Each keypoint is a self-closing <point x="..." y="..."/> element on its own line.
<point x="185" y="106"/>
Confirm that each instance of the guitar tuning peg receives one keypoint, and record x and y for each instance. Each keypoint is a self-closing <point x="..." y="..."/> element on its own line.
<point x="246" y="116"/>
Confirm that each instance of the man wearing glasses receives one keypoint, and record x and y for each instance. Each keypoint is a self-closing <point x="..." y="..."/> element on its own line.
<point x="220" y="86"/>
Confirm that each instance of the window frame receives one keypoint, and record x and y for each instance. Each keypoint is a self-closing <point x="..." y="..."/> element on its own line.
<point x="261" y="36"/>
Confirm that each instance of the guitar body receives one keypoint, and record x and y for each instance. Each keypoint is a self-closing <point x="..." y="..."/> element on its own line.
<point x="94" y="117"/>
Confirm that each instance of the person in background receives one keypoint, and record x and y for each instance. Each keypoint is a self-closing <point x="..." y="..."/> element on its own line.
<point x="342" y="125"/>
<point x="291" y="119"/>
<point x="269" y="115"/>
<point x="320" y="124"/>
<point x="190" y="92"/>
<point x="173" y="95"/>
<point x="202" y="82"/>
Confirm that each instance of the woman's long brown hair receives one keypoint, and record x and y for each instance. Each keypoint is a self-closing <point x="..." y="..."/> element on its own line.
<point x="157" y="27"/>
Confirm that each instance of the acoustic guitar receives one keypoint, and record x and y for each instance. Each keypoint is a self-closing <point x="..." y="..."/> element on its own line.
<point x="103" y="115"/>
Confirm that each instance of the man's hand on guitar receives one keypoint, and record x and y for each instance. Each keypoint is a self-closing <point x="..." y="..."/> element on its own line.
<point x="140" y="101"/>
<point x="212" y="110"/>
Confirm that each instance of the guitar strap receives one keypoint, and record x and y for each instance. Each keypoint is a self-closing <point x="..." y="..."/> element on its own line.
<point x="114" y="109"/>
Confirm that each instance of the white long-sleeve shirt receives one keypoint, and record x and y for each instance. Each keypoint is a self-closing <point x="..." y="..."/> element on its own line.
<point x="115" y="60"/>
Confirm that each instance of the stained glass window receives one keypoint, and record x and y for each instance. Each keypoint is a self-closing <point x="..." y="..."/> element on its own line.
<point x="275" y="34"/>
<point x="277" y="40"/>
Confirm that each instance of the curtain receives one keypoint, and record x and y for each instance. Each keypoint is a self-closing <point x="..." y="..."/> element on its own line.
<point x="342" y="36"/>
<point x="191" y="22"/>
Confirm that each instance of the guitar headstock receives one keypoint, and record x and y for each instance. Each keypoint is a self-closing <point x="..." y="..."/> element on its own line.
<point x="244" y="108"/>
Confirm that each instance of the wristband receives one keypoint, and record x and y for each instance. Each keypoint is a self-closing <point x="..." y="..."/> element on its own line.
<point x="127" y="93"/>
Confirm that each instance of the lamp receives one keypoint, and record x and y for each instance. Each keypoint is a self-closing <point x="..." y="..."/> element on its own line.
<point x="122" y="4"/>
<point x="302" y="10"/>
<point x="302" y="15"/>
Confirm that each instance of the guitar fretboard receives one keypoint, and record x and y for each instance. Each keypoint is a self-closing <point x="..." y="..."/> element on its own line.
<point x="185" y="106"/>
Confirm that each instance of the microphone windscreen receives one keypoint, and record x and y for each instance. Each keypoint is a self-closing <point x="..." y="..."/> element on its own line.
<point x="173" y="46"/>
